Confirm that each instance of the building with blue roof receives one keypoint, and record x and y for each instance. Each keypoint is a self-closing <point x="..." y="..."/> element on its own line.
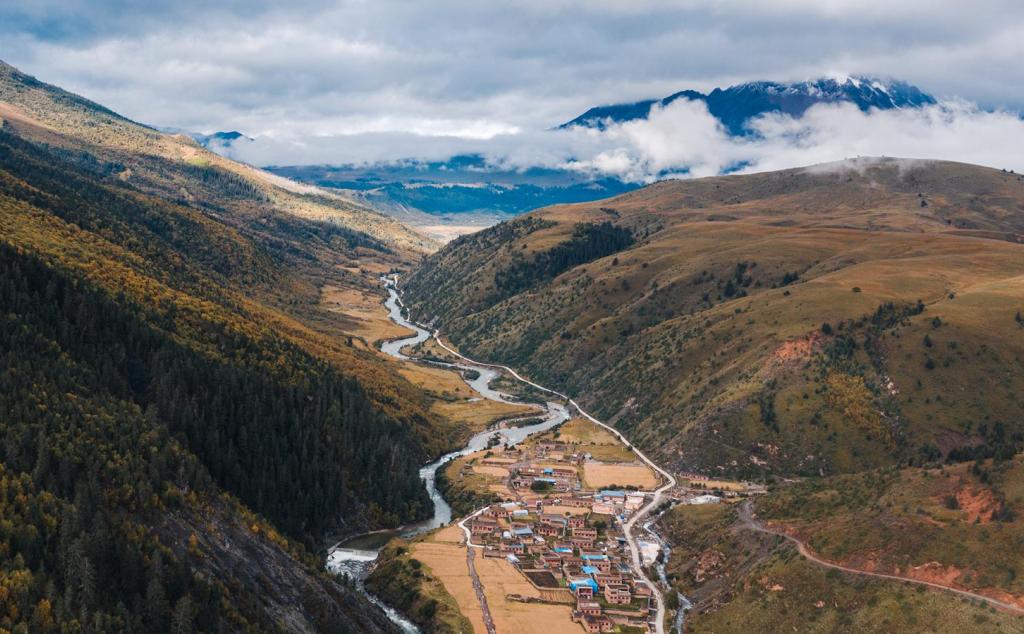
<point x="582" y="581"/>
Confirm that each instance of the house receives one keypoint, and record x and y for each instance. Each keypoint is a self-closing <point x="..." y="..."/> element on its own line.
<point x="578" y="583"/>
<point x="548" y="530"/>
<point x="634" y="502"/>
<point x="592" y="608"/>
<point x="522" y="532"/>
<point x="576" y="521"/>
<point x="617" y="593"/>
<point x="583" y="592"/>
<point x="577" y="502"/>
<point x="482" y="526"/>
<point x="537" y="548"/>
<point x="585" y="533"/>
<point x="553" y="519"/>
<point x="517" y="548"/>
<point x="605" y="578"/>
<point x="496" y="511"/>
<point x="597" y="623"/>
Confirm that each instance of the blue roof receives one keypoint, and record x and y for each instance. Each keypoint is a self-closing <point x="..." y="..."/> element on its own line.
<point x="549" y="470"/>
<point x="563" y="550"/>
<point x="523" y="531"/>
<point x="590" y="570"/>
<point x="551" y="480"/>
<point x="602" y="557"/>
<point x="575" y="583"/>
<point x="612" y="494"/>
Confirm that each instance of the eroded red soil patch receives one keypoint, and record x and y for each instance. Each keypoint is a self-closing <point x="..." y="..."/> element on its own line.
<point x="979" y="504"/>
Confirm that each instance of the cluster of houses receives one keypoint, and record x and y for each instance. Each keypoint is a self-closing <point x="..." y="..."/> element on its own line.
<point x="572" y="545"/>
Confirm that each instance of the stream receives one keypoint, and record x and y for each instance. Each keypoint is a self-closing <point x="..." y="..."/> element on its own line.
<point x="354" y="557"/>
<point x="679" y="623"/>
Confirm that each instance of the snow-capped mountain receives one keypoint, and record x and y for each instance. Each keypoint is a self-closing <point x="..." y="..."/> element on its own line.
<point x="735" y="105"/>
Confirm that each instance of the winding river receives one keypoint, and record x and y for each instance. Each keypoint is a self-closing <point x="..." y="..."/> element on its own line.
<point x="354" y="557"/>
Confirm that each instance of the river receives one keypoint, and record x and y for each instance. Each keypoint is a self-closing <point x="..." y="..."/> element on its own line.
<point x="354" y="557"/>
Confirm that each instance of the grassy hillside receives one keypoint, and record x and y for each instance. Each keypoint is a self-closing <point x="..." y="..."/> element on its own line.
<point x="184" y="423"/>
<point x="808" y="321"/>
<point x="955" y="525"/>
<point x="178" y="168"/>
<point x="958" y="523"/>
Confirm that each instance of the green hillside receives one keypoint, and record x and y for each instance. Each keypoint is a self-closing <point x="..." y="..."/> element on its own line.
<point x="808" y="321"/>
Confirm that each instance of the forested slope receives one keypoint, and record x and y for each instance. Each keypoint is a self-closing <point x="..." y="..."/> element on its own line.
<point x="182" y="430"/>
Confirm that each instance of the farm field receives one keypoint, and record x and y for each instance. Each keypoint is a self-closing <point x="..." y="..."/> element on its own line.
<point x="600" y="475"/>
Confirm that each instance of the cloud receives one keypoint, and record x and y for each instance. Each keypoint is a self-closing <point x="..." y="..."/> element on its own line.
<point x="684" y="136"/>
<point x="684" y="140"/>
<point x="348" y="81"/>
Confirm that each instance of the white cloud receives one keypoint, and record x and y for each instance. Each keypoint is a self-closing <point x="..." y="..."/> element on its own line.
<point x="327" y="81"/>
<point x="684" y="138"/>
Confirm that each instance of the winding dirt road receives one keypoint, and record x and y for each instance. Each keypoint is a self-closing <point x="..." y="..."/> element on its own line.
<point x="747" y="521"/>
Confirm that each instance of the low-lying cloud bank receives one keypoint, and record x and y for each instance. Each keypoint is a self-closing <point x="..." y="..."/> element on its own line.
<point x="684" y="139"/>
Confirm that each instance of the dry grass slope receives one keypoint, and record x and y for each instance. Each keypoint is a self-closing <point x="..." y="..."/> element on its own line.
<point x="816" y="320"/>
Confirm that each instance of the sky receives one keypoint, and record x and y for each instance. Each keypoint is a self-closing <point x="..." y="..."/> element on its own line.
<point x="348" y="82"/>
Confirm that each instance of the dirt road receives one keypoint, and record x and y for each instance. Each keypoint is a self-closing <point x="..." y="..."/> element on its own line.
<point x="747" y="520"/>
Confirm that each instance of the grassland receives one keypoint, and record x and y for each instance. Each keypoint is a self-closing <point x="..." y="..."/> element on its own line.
<point x="822" y="320"/>
<point x="955" y="525"/>
<point x="788" y="594"/>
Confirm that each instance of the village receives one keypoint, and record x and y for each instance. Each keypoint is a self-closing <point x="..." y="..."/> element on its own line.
<point x="565" y="498"/>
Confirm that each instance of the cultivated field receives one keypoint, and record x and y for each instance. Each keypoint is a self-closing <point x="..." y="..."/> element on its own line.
<point x="445" y="555"/>
<point x="599" y="475"/>
<point x="500" y="578"/>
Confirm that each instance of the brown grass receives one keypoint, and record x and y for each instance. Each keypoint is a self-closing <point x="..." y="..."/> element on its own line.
<point x="361" y="312"/>
<point x="598" y="475"/>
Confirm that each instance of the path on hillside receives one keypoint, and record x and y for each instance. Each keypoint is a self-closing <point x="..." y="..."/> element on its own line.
<point x="656" y="496"/>
<point x="747" y="521"/>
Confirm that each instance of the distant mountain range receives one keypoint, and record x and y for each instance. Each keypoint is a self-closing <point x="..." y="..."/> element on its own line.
<point x="462" y="184"/>
<point x="736" y="105"/>
<point x="465" y="185"/>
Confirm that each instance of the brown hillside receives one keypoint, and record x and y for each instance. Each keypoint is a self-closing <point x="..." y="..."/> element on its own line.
<point x="704" y="338"/>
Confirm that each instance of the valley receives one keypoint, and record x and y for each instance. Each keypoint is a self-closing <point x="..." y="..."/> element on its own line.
<point x="535" y="380"/>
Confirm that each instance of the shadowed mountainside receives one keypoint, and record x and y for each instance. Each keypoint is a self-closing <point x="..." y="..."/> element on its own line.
<point x="184" y="423"/>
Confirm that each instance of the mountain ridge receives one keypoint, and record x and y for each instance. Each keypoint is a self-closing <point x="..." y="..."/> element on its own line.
<point x="736" y="105"/>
